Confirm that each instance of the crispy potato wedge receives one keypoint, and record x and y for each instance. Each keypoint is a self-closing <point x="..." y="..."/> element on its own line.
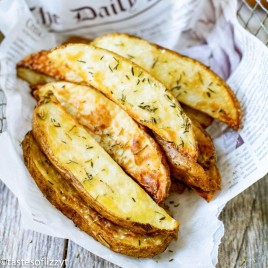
<point x="65" y="198"/>
<point x="131" y="87"/>
<point x="203" y="119"/>
<point x="207" y="154"/>
<point x="189" y="172"/>
<point x="33" y="77"/>
<point x="94" y="174"/>
<point x="191" y="82"/>
<point x="35" y="74"/>
<point x="121" y="137"/>
<point x="215" y="177"/>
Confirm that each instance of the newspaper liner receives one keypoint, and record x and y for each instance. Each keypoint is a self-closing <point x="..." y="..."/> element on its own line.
<point x="206" y="30"/>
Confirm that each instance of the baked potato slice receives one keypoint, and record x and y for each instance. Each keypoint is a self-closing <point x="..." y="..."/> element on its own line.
<point x="65" y="198"/>
<point x="203" y="119"/>
<point x="33" y="77"/>
<point x="94" y="174"/>
<point x="189" y="172"/>
<point x="31" y="70"/>
<point x="207" y="154"/>
<point x="191" y="82"/>
<point x="136" y="91"/>
<point x="121" y="137"/>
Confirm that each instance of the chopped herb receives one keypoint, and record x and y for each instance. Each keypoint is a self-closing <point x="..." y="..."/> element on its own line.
<point x="173" y="105"/>
<point x="116" y="59"/>
<point x="171" y="260"/>
<point x="176" y="87"/>
<point x="147" y="107"/>
<point x="130" y="57"/>
<point x="112" y="92"/>
<point x="116" y="66"/>
<point x="155" y="62"/>
<point x="72" y="128"/>
<point x="242" y="263"/>
<point x="90" y="177"/>
<point x="132" y="70"/>
<point x="138" y="81"/>
<point x="102" y="57"/>
<point x="208" y="94"/>
<point x="127" y="77"/>
<point x="83" y="137"/>
<point x="89" y="147"/>
<point x="161" y="219"/>
<point x="168" y="97"/>
<point x="182" y="143"/>
<point x="200" y="78"/>
<point x="211" y="90"/>
<point x="141" y="149"/>
<point x="222" y="111"/>
<point x="140" y="73"/>
<point x="123" y="98"/>
<point x="143" y="80"/>
<point x="51" y="182"/>
<point x="78" y="255"/>
<point x="71" y="161"/>
<point x="63" y="142"/>
<point x="82" y="61"/>
<point x="128" y="218"/>
<point x="170" y="250"/>
<point x="171" y="202"/>
<point x="176" y="205"/>
<point x="110" y="68"/>
<point x="139" y="242"/>
<point x="133" y="199"/>
<point x="149" y="82"/>
<point x="56" y="125"/>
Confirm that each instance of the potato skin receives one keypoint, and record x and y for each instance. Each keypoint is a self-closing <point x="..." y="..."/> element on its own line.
<point x="66" y="199"/>
<point x="189" y="172"/>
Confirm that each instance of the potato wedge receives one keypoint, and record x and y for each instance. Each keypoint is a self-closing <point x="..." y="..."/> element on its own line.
<point x="34" y="70"/>
<point x="203" y="119"/>
<point x="207" y="154"/>
<point x="32" y="77"/>
<point x="132" y="88"/>
<point x="191" y="82"/>
<point x="94" y="174"/>
<point x="190" y="173"/>
<point x="65" y="198"/>
<point x="121" y="137"/>
<point x="215" y="177"/>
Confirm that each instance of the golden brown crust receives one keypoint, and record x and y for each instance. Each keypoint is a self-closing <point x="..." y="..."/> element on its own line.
<point x="120" y="84"/>
<point x="123" y="139"/>
<point x="227" y="110"/>
<point x="203" y="119"/>
<point x="189" y="172"/>
<point x="65" y="198"/>
<point x="54" y="131"/>
<point x="207" y="154"/>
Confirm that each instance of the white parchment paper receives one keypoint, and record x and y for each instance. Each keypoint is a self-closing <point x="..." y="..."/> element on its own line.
<point x="206" y="30"/>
